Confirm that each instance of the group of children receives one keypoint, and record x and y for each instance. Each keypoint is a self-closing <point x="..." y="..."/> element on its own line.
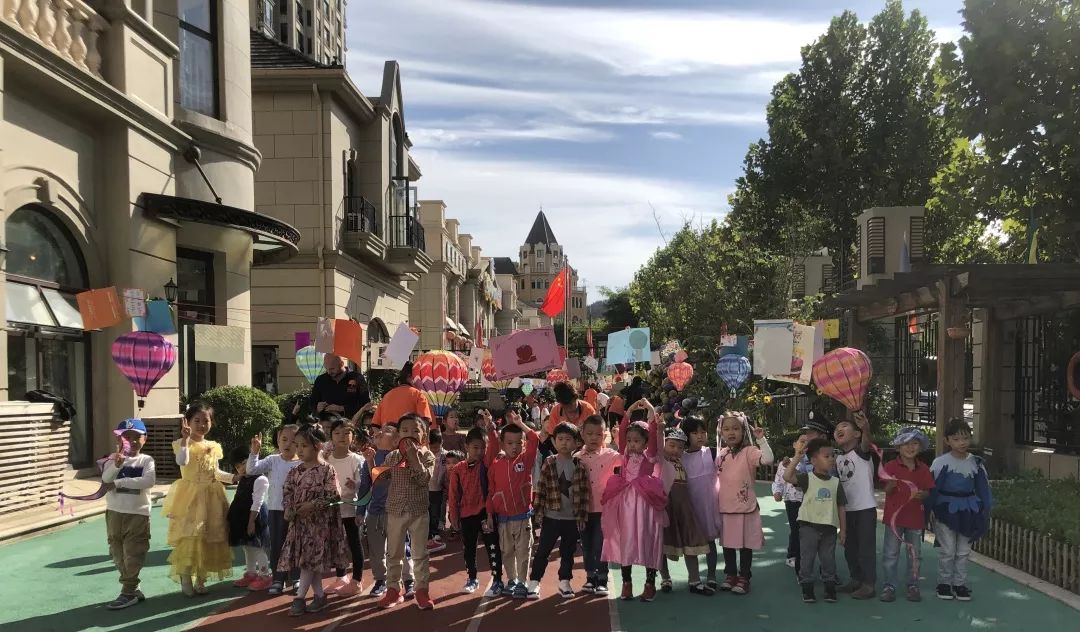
<point x="306" y="511"/>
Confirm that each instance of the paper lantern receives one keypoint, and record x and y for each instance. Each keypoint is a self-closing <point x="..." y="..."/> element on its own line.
<point x="144" y="358"/>
<point x="733" y="370"/>
<point x="440" y="376"/>
<point x="310" y="363"/>
<point x="555" y="376"/>
<point x="843" y="374"/>
<point x="680" y="373"/>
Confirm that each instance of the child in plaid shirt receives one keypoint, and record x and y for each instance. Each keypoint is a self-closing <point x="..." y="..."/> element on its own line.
<point x="562" y="504"/>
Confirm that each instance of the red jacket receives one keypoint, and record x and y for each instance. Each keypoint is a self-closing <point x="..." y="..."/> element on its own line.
<point x="469" y="486"/>
<point x="510" y="480"/>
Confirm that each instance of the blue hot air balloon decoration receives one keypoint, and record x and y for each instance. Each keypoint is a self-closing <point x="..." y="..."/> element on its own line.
<point x="733" y="369"/>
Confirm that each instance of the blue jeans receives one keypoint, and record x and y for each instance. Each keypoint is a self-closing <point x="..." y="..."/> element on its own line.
<point x="892" y="548"/>
<point x="592" y="544"/>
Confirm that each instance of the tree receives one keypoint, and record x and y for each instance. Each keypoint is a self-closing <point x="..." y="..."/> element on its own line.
<point x="618" y="312"/>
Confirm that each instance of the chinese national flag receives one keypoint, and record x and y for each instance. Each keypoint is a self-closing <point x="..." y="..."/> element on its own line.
<point x="555" y="300"/>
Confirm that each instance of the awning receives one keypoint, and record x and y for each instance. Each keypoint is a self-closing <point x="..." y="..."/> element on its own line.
<point x="450" y="324"/>
<point x="274" y="240"/>
<point x="463" y="330"/>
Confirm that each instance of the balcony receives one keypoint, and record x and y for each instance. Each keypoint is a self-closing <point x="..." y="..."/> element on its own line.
<point x="363" y="234"/>
<point x="69" y="28"/>
<point x="407" y="248"/>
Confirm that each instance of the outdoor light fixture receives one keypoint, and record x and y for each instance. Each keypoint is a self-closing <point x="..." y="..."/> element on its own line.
<point x="170" y="291"/>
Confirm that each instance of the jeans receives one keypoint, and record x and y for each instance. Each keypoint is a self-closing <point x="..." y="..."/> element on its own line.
<point x="436" y="513"/>
<point x="892" y="548"/>
<point x="792" y="509"/>
<point x="592" y="543"/>
<point x="356" y="549"/>
<point x="817" y="542"/>
<point x="953" y="554"/>
<point x="860" y="547"/>
<point x="565" y="532"/>
<point x="472" y="529"/>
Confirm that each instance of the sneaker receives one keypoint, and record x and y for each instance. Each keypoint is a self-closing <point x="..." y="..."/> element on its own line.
<point x="649" y="593"/>
<point x="390" y="599"/>
<point x="866" y="591"/>
<point x="944" y="591"/>
<point x="509" y="588"/>
<point x="627" y="591"/>
<point x="434" y="545"/>
<point x="123" y="601"/>
<point x="888" y="594"/>
<point x="564" y="589"/>
<point x="521" y="591"/>
<point x="471" y="586"/>
<point x="532" y="591"/>
<point x="602" y="590"/>
<point x="790" y="562"/>
<point x="276" y="588"/>
<point x="728" y="583"/>
<point x="496" y="589"/>
<point x="297" y="608"/>
<point x="349" y="589"/>
<point x="849" y="587"/>
<point x="410" y="588"/>
<point x="830" y="593"/>
<point x="317" y="604"/>
<point x="962" y="593"/>
<point x="913" y="593"/>
<point x="808" y="594"/>
<point x="378" y="589"/>
<point x="589" y="587"/>
<point x="246" y="580"/>
<point x="741" y="587"/>
<point x="423" y="600"/>
<point x="260" y="584"/>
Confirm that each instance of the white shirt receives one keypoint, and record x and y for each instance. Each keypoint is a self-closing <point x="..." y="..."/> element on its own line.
<point x="856" y="471"/>
<point x="347" y="468"/>
<point x="132" y="482"/>
<point x="602" y="400"/>
<point x="277" y="469"/>
<point x="258" y="493"/>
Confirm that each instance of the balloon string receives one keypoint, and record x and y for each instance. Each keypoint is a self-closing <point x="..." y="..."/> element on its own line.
<point x="913" y="488"/>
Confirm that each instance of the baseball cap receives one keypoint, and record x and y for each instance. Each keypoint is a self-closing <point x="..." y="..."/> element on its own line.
<point x="130" y="424"/>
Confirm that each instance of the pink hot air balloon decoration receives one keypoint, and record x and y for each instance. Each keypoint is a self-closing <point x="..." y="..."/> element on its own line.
<point x="680" y="373"/>
<point x="555" y="376"/>
<point x="144" y="357"/>
<point x="844" y="374"/>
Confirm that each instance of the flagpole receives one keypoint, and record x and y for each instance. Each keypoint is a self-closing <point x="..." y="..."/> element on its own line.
<point x="567" y="277"/>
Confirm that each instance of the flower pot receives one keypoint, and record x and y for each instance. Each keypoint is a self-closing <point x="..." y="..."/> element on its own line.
<point x="957" y="333"/>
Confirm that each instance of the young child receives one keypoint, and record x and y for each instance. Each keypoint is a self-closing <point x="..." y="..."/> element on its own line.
<point x="791" y="495"/>
<point x="436" y="494"/>
<point x="354" y="481"/>
<point x="510" y="491"/>
<point x="855" y="467"/>
<point x="699" y="462"/>
<point x="821" y="515"/>
<point x="908" y="483"/>
<point x="600" y="461"/>
<point x="386" y="441"/>
<point x="127" y="509"/>
<point x="740" y="515"/>
<point x="196" y="506"/>
<point x="562" y="504"/>
<point x="682" y="536"/>
<point x="961" y="504"/>
<point x="276" y="467"/>
<point x="407" y="511"/>
<point x="468" y="503"/>
<point x="316" y="541"/>
<point x="249" y="523"/>
<point x="451" y="438"/>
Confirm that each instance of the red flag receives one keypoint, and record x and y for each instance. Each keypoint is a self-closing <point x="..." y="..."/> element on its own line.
<point x="555" y="301"/>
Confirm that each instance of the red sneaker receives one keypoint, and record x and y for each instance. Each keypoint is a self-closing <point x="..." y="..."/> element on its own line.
<point x="649" y="593"/>
<point x="391" y="599"/>
<point x="246" y="580"/>
<point x="260" y="583"/>
<point x="423" y="600"/>
<point x="627" y="591"/>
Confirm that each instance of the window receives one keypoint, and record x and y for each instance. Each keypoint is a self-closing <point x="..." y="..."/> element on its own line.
<point x="308" y="47"/>
<point x="198" y="56"/>
<point x="523" y="284"/>
<point x="195" y="304"/>
<point x="307" y="14"/>
<point x="284" y="31"/>
<point x="875" y="245"/>
<point x="539" y="266"/>
<point x="300" y="40"/>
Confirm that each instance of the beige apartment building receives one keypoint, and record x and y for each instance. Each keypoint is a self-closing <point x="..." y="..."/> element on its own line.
<point x="436" y="307"/>
<point x="126" y="160"/>
<point x="336" y="165"/>
<point x="509" y="314"/>
<point x="480" y="297"/>
<point x="540" y="259"/>
<point x="315" y="28"/>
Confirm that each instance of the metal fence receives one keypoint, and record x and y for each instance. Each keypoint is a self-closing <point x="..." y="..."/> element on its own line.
<point x="1044" y="413"/>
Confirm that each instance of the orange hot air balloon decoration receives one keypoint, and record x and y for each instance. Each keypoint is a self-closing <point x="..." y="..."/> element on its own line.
<point x="844" y="375"/>
<point x="555" y="376"/>
<point x="487" y="369"/>
<point x="680" y="373"/>
<point x="440" y="376"/>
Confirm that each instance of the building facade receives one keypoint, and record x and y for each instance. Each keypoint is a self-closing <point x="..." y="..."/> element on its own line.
<point x="313" y="27"/>
<point x="126" y="160"/>
<point x="540" y="259"/>
<point x="436" y="308"/>
<point x="509" y="314"/>
<point x="336" y="164"/>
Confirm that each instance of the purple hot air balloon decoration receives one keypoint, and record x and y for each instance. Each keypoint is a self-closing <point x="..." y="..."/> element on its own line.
<point x="144" y="358"/>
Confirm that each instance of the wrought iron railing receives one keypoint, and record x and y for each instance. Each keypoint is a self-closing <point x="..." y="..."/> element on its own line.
<point x="406" y="232"/>
<point x="361" y="216"/>
<point x="1044" y="413"/>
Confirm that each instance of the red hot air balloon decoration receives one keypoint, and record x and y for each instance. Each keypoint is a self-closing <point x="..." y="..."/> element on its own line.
<point x="844" y="374"/>
<point x="440" y="375"/>
<point x="680" y="374"/>
<point x="555" y="376"/>
<point x="144" y="357"/>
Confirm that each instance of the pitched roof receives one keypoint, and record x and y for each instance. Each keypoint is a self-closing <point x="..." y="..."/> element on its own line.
<point x="505" y="265"/>
<point x="541" y="232"/>
<point x="270" y="53"/>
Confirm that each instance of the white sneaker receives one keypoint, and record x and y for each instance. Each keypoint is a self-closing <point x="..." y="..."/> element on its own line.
<point x="564" y="589"/>
<point x="790" y="562"/>
<point x="533" y="590"/>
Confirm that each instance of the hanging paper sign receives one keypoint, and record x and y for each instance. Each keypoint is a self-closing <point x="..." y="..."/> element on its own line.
<point x="135" y="302"/>
<point x="773" y="342"/>
<point x="301" y="339"/>
<point x="349" y="340"/>
<point x="573" y="368"/>
<point x="592" y="363"/>
<point x="476" y="358"/>
<point x="628" y="346"/>
<point x="220" y="344"/>
<point x="802" y="358"/>
<point x="525" y="352"/>
<point x="100" y="308"/>
<point x="729" y="340"/>
<point x="832" y="329"/>
<point x="741" y="347"/>
<point x="158" y="318"/>
<point x="654" y="358"/>
<point x="401" y="345"/>
<point x="324" y="335"/>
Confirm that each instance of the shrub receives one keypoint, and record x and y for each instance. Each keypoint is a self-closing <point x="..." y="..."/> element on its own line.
<point x="1040" y="504"/>
<point x="240" y="413"/>
<point x="287" y="401"/>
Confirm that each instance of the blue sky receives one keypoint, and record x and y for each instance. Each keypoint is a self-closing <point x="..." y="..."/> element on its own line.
<point x="623" y="118"/>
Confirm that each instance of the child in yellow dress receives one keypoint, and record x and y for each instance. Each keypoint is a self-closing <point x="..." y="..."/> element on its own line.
<point x="196" y="506"/>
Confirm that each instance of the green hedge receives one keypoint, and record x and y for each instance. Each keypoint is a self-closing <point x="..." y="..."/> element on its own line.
<point x="1040" y="504"/>
<point x="240" y="413"/>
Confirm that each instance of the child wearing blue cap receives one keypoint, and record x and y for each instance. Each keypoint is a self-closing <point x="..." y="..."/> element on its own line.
<point x="908" y="482"/>
<point x="127" y="508"/>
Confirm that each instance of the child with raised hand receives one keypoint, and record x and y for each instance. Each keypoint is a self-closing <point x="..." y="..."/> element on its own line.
<point x="855" y="466"/>
<point x="635" y="504"/>
<point x="127" y="508"/>
<point x="316" y="542"/>
<point x="562" y="504"/>
<point x="699" y="462"/>
<point x="276" y="467"/>
<point x="682" y="536"/>
<point x="436" y="494"/>
<point x="741" y="532"/>
<point x="196" y="506"/>
<point x="386" y="441"/>
<point x="821" y="515"/>
<point x="467" y="505"/>
<point x="908" y="483"/>
<point x="510" y="493"/>
<point x="354" y="481"/>
<point x="601" y="462"/>
<point x="960" y="501"/>
<point x="407" y="510"/>
<point x="249" y="523"/>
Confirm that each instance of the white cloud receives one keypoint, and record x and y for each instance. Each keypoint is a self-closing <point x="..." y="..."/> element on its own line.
<point x="667" y="135"/>
<point x="478" y="132"/>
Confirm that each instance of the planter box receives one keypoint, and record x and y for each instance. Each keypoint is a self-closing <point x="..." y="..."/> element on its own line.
<point x="1033" y="553"/>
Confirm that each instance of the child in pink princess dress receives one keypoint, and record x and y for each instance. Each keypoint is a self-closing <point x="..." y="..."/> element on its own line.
<point x="740" y="516"/>
<point x="635" y="505"/>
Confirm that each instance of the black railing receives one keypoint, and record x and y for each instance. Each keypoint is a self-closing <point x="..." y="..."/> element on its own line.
<point x="1044" y="413"/>
<point x="361" y="216"/>
<point x="916" y="369"/>
<point x="406" y="232"/>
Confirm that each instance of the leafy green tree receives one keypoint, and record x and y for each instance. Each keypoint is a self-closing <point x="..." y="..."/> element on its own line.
<point x="240" y="413"/>
<point x="618" y="312"/>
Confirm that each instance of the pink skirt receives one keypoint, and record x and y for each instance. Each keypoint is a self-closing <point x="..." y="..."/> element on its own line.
<point x="742" y="530"/>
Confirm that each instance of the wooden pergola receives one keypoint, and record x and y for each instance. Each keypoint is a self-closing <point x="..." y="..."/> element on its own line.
<point x="1006" y="291"/>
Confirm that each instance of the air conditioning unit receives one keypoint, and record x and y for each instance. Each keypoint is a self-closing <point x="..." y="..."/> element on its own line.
<point x="890" y="239"/>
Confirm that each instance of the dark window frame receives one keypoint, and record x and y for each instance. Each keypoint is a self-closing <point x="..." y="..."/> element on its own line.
<point x="211" y="37"/>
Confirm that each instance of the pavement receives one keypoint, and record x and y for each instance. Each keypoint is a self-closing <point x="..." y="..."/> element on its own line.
<point x="61" y="579"/>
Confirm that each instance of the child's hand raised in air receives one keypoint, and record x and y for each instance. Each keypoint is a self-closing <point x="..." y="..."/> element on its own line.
<point x="256" y="445"/>
<point x="185" y="431"/>
<point x="800" y="447"/>
<point x="118" y="458"/>
<point x="758" y="431"/>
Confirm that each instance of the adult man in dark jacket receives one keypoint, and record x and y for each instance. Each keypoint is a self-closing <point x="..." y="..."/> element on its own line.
<point x="339" y="390"/>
